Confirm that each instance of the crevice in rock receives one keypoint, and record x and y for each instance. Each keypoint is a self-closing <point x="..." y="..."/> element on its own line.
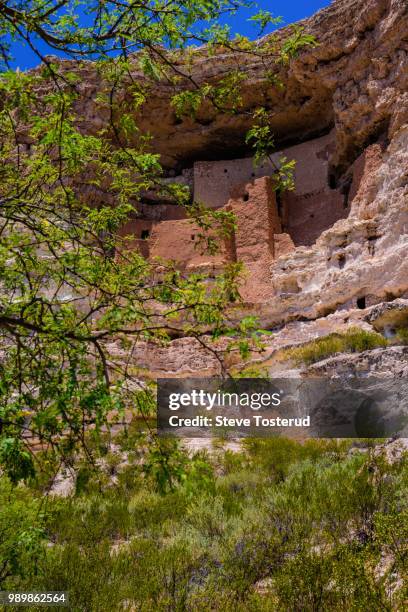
<point x="345" y="190"/>
<point x="371" y="244"/>
<point x="341" y="261"/>
<point x="332" y="180"/>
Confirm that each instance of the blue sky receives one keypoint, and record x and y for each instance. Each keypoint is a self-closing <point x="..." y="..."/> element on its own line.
<point x="290" y="10"/>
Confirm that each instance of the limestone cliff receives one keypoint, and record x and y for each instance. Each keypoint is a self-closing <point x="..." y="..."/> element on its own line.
<point x="355" y="80"/>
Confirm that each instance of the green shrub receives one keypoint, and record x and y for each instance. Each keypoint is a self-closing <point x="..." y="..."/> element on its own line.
<point x="276" y="455"/>
<point x="22" y="532"/>
<point x="333" y="580"/>
<point x="312" y="521"/>
<point x="355" y="340"/>
<point x="402" y="335"/>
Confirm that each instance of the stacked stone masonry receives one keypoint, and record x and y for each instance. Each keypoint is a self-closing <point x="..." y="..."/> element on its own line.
<point x="267" y="225"/>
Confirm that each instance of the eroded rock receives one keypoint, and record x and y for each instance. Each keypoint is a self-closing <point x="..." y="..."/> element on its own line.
<point x="389" y="315"/>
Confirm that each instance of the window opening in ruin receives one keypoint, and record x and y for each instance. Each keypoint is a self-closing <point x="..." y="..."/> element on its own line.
<point x="192" y="236"/>
<point x="246" y="197"/>
<point x="145" y="234"/>
<point x="361" y="303"/>
<point x="225" y="170"/>
<point x="342" y="261"/>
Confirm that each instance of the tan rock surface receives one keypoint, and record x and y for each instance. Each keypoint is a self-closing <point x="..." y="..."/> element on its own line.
<point x="356" y="79"/>
<point x="186" y="357"/>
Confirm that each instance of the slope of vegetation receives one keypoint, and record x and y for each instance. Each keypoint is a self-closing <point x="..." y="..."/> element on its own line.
<point x="279" y="526"/>
<point x="355" y="340"/>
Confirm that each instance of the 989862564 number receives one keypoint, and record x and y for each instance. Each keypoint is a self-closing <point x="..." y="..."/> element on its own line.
<point x="30" y="598"/>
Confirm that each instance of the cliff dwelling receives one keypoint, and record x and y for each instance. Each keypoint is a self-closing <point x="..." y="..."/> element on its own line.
<point x="268" y="224"/>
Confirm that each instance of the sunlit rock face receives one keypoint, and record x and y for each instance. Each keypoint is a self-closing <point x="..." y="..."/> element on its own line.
<point x="355" y="80"/>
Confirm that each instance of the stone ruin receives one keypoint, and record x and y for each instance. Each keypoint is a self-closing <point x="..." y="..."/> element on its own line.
<point x="268" y="224"/>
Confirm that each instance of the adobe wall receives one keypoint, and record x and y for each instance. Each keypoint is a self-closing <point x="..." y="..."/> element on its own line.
<point x="213" y="181"/>
<point x="256" y="241"/>
<point x="312" y="163"/>
<point x="314" y="205"/>
<point x="306" y="216"/>
<point x="306" y="212"/>
<point x="257" y="220"/>
<point x="262" y="221"/>
<point x="137" y="233"/>
<point x="258" y="237"/>
<point x="179" y="240"/>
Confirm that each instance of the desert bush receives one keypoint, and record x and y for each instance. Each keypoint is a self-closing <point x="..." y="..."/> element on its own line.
<point x="337" y="580"/>
<point x="276" y="455"/>
<point x="323" y="528"/>
<point x="402" y="335"/>
<point x="355" y="340"/>
<point x="22" y="532"/>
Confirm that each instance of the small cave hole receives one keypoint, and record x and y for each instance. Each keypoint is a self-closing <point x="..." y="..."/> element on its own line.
<point x="145" y="234"/>
<point x="361" y="303"/>
<point x="192" y="236"/>
<point x="341" y="261"/>
<point x="253" y="174"/>
<point x="246" y="197"/>
<point x="312" y="216"/>
<point x="332" y="181"/>
<point x="371" y="244"/>
<point x="225" y="170"/>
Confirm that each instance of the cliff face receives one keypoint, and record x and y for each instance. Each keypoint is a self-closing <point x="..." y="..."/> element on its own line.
<point x="353" y="85"/>
<point x="355" y="80"/>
